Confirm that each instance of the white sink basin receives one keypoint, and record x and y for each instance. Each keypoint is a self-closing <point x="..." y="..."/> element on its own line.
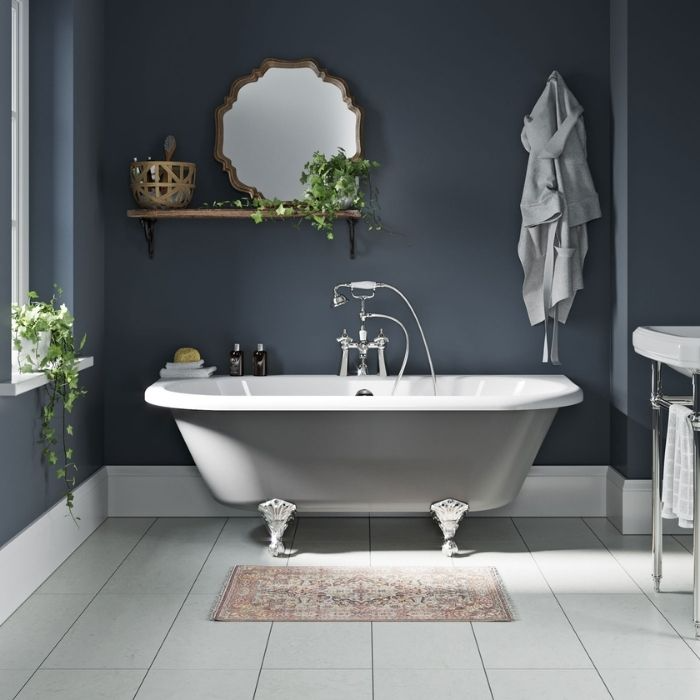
<point x="675" y="346"/>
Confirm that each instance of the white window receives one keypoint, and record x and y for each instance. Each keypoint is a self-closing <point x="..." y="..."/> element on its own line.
<point x="20" y="151"/>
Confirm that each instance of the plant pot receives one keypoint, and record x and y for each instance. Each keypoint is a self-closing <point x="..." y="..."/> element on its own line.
<point x="31" y="352"/>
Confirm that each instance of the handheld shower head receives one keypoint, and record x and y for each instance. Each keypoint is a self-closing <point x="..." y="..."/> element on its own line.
<point x="338" y="299"/>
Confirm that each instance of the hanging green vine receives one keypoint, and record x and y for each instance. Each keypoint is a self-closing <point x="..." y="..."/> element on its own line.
<point x="332" y="184"/>
<point x="30" y="322"/>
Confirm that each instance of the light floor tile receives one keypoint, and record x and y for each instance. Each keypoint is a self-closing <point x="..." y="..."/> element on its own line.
<point x="343" y="553"/>
<point x="572" y="558"/>
<point x="12" y="681"/>
<point x="82" y="685"/>
<point x="169" y="558"/>
<point x="35" y="628"/>
<point x="491" y="530"/>
<point x="335" y="530"/>
<point x="193" y="685"/>
<point x="319" y="645"/>
<point x="546" y="534"/>
<point x="574" y="571"/>
<point x="633" y="553"/>
<point x="518" y="570"/>
<point x="547" y="685"/>
<point x="686" y="541"/>
<point x="117" y="631"/>
<point x="652" y="685"/>
<point x="674" y="601"/>
<point x="540" y="637"/>
<point x="408" y="555"/>
<point x="424" y="645"/>
<point x="91" y="565"/>
<point x="242" y="541"/>
<point x="315" y="685"/>
<point x="414" y="531"/>
<point x="420" y="684"/>
<point x="626" y="632"/>
<point x="196" y="642"/>
<point x="407" y="542"/>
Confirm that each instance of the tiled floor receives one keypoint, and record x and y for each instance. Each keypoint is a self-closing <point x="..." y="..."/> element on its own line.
<point x="127" y="617"/>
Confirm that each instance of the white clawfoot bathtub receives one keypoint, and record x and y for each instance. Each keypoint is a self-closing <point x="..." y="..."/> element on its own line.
<point x="311" y="441"/>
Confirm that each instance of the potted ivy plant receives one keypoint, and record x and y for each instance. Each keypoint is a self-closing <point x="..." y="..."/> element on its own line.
<point x="335" y="183"/>
<point x="44" y="342"/>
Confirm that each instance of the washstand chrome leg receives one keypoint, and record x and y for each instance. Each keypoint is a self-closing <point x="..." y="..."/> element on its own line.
<point x="278" y="514"/>
<point x="656" y="460"/>
<point x="449" y="514"/>
<point x="695" y="423"/>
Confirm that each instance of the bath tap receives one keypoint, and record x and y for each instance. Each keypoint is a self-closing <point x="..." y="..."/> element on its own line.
<point x="362" y="345"/>
<point x="363" y="291"/>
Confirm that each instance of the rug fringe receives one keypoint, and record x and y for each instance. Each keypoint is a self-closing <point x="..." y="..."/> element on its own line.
<point x="507" y="600"/>
<point x="222" y="593"/>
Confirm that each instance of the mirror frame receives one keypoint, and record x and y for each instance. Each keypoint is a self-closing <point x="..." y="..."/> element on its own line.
<point x="227" y="166"/>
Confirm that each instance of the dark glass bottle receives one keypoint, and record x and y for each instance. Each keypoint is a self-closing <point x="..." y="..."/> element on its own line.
<point x="260" y="361"/>
<point x="235" y="361"/>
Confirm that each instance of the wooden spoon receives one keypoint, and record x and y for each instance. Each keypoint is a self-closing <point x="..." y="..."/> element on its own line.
<point x="169" y="147"/>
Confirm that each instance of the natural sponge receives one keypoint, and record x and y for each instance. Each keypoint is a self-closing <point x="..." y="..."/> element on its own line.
<point x="187" y="355"/>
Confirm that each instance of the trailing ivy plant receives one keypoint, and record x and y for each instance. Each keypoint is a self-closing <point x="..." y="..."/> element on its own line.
<point x="333" y="184"/>
<point x="60" y="365"/>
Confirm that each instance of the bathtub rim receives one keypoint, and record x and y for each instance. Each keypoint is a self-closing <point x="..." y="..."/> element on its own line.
<point x="163" y="393"/>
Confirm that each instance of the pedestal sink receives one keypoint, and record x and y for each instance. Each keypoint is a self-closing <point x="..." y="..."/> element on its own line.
<point x="675" y="346"/>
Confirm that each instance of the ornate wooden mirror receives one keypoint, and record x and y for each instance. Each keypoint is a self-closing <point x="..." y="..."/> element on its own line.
<point x="275" y="118"/>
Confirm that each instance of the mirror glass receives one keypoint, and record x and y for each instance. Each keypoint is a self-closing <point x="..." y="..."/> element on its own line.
<point x="275" y="118"/>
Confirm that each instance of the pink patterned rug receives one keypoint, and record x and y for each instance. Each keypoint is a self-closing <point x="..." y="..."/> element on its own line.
<point x="336" y="593"/>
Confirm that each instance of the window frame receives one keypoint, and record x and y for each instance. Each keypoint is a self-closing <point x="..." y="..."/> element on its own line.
<point x="19" y="117"/>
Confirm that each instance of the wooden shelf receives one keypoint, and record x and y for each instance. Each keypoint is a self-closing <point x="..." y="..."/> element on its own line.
<point x="221" y="214"/>
<point x="149" y="217"/>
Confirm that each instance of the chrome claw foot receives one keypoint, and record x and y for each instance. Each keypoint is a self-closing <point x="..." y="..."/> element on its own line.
<point x="448" y="514"/>
<point x="657" y="583"/>
<point x="278" y="514"/>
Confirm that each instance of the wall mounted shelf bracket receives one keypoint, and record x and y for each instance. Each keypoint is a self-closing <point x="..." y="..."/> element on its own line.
<point x="149" y="230"/>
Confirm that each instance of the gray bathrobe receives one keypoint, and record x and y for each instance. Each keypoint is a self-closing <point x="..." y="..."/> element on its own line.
<point x="558" y="200"/>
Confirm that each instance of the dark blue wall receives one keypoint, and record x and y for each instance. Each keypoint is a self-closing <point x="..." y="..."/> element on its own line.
<point x="444" y="90"/>
<point x="66" y="239"/>
<point x="659" y="243"/>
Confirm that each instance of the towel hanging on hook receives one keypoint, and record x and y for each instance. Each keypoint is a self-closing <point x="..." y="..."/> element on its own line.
<point x="558" y="200"/>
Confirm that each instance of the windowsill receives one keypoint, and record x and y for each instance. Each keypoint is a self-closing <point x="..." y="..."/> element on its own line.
<point x="22" y="383"/>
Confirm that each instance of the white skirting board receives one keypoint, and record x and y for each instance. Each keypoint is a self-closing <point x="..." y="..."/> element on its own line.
<point x="33" y="554"/>
<point x="629" y="506"/>
<point x="162" y="491"/>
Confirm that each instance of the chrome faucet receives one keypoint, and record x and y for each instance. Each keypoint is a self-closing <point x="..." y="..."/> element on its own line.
<point x="363" y="346"/>
<point x="363" y="291"/>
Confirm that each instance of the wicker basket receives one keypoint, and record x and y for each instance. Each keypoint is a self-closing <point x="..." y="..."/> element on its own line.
<point x="162" y="184"/>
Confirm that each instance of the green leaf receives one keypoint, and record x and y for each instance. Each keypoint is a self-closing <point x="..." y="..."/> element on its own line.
<point x="257" y="217"/>
<point x="69" y="429"/>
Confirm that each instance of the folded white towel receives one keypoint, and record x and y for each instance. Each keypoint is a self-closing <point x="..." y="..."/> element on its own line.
<point x="187" y="373"/>
<point x="184" y="365"/>
<point x="677" y="488"/>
